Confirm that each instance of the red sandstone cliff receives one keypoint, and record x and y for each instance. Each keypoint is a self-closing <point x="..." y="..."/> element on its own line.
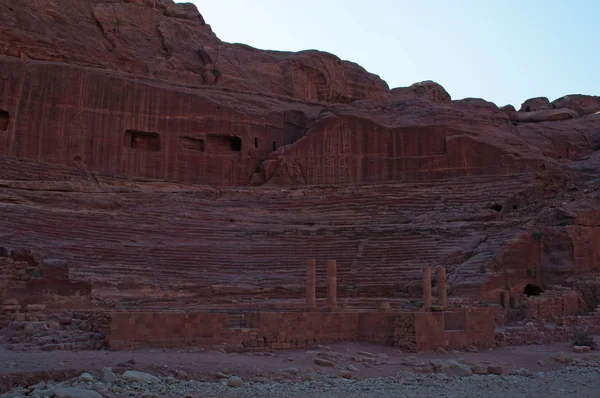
<point x="300" y="154"/>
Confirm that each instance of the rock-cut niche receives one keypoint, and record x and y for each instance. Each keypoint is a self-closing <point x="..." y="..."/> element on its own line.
<point x="195" y="144"/>
<point x="4" y="119"/>
<point x="142" y="140"/>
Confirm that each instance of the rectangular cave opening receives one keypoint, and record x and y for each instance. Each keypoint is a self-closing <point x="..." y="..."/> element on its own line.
<point x="255" y="142"/>
<point x="236" y="144"/>
<point x="274" y="146"/>
<point x="194" y="144"/>
<point x="223" y="144"/>
<point x="142" y="140"/>
<point x="4" y="119"/>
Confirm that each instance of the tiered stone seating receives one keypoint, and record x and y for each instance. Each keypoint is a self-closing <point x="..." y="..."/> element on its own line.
<point x="151" y="239"/>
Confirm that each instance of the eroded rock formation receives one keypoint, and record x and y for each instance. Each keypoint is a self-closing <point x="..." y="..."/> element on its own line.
<point x="166" y="167"/>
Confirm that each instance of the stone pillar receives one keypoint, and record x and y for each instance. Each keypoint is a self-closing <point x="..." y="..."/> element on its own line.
<point x="505" y="299"/>
<point x="427" y="288"/>
<point x="311" y="283"/>
<point x="441" y="285"/>
<point x="331" y="283"/>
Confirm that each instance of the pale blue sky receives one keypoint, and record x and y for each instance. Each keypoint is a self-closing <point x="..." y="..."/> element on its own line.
<point x="503" y="51"/>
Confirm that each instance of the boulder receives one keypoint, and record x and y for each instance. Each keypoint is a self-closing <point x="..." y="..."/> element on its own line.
<point x="101" y="389"/>
<point x="71" y="392"/>
<point x="430" y="90"/>
<point x="561" y="358"/>
<point x="292" y="370"/>
<point x="324" y="362"/>
<point x="510" y="111"/>
<point x="582" y="104"/>
<point x="35" y="307"/>
<point x="453" y="368"/>
<point x="108" y="376"/>
<point x="534" y="104"/>
<point x="580" y="349"/>
<point x="524" y="372"/>
<point x="132" y="375"/>
<point x="235" y="381"/>
<point x="346" y="374"/>
<point x="86" y="378"/>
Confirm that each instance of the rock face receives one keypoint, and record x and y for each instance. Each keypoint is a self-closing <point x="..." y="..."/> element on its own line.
<point x="141" y="156"/>
<point x="162" y="39"/>
<point x="428" y="89"/>
<point x="534" y="104"/>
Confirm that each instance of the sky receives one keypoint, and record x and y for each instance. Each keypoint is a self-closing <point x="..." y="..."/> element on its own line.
<point x="503" y="51"/>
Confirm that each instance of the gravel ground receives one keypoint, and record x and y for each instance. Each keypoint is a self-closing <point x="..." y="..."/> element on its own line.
<point x="567" y="382"/>
<point x="350" y="370"/>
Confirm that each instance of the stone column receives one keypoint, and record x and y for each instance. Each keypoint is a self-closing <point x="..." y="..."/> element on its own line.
<point x="505" y="298"/>
<point x="311" y="283"/>
<point x="427" y="288"/>
<point x="331" y="283"/>
<point x="441" y="285"/>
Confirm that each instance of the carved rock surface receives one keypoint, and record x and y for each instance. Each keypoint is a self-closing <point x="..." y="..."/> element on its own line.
<point x="150" y="159"/>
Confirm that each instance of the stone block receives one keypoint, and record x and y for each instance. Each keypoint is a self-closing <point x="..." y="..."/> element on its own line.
<point x="35" y="307"/>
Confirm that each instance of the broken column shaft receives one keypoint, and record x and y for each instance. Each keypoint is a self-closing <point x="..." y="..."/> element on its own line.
<point x="441" y="285"/>
<point x="427" y="288"/>
<point x="331" y="283"/>
<point x="311" y="283"/>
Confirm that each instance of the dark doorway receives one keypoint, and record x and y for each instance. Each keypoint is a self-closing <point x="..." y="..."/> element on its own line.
<point x="496" y="207"/>
<point x="532" y="290"/>
<point x="236" y="144"/>
<point x="4" y="118"/>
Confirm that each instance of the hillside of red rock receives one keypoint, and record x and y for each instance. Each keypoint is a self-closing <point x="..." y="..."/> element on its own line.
<point x="156" y="162"/>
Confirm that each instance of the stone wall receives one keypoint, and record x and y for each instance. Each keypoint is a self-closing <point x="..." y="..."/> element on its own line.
<point x="287" y="330"/>
<point x="454" y="329"/>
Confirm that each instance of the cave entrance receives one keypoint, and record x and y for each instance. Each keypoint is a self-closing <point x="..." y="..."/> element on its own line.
<point x="532" y="290"/>
<point x="236" y="144"/>
<point x="142" y="140"/>
<point x="4" y="118"/>
<point x="222" y="145"/>
<point x="496" y="207"/>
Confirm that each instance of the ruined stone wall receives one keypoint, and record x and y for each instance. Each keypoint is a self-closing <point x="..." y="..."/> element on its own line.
<point x="454" y="329"/>
<point x="301" y="329"/>
<point x="167" y="329"/>
<point x="288" y="330"/>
